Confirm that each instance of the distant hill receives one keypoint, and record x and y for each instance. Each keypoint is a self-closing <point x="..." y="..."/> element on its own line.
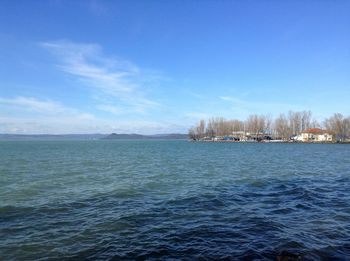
<point x="173" y="136"/>
<point x="115" y="136"/>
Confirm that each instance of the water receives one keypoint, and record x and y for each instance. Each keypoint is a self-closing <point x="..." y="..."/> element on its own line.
<point x="113" y="200"/>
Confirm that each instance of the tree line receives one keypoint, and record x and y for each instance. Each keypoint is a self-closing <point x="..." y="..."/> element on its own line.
<point x="283" y="127"/>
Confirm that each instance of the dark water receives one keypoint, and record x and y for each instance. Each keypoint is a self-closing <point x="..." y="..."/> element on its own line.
<point x="173" y="200"/>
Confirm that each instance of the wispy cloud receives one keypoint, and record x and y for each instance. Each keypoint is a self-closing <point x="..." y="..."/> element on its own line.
<point x="30" y="115"/>
<point x="37" y="106"/>
<point x="33" y="104"/>
<point x="66" y="124"/>
<point x="120" y="83"/>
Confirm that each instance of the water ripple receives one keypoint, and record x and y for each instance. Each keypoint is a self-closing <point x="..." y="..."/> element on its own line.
<point x="169" y="200"/>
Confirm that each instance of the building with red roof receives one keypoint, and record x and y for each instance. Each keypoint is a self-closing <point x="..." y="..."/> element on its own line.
<point x="317" y="135"/>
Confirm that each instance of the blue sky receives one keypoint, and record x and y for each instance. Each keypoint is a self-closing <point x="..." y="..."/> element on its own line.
<point x="160" y="66"/>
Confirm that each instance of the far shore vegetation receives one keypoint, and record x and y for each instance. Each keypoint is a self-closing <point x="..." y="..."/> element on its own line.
<point x="293" y="126"/>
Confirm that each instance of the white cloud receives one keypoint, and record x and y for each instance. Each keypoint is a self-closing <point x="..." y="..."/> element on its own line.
<point x="33" y="104"/>
<point x="29" y="115"/>
<point x="116" y="86"/>
<point x="72" y="125"/>
<point x="117" y="82"/>
<point x="33" y="115"/>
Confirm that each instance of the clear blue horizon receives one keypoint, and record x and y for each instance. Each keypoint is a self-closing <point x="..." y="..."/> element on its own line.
<point x="159" y="66"/>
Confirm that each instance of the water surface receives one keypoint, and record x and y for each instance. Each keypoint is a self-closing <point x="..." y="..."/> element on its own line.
<point x="154" y="200"/>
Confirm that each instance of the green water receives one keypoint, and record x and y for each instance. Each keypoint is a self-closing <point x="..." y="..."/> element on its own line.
<point x="173" y="199"/>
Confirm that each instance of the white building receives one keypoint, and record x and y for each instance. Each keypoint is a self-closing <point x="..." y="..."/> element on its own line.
<point x="315" y="135"/>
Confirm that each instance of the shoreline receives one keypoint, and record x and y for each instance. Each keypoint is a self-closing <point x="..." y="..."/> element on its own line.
<point x="273" y="141"/>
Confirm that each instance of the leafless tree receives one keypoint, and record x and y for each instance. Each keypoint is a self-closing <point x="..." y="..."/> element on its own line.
<point x="295" y="122"/>
<point x="268" y="124"/>
<point x="315" y="123"/>
<point x="339" y="125"/>
<point x="192" y="133"/>
<point x="306" y="120"/>
<point x="281" y="127"/>
<point x="252" y="124"/>
<point x="200" y="129"/>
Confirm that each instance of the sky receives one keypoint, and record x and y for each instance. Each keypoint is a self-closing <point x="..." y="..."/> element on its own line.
<point x="159" y="66"/>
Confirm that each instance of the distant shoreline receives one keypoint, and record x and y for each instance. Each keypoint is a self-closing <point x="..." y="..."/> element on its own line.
<point x="113" y="136"/>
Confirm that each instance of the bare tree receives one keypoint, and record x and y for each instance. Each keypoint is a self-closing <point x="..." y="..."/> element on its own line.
<point x="282" y="128"/>
<point x="305" y="120"/>
<point x="268" y="124"/>
<point x="210" y="131"/>
<point x="339" y="125"/>
<point x="201" y="129"/>
<point x="238" y="125"/>
<point x="256" y="125"/>
<point x="192" y="133"/>
<point x="261" y="124"/>
<point x="295" y="122"/>
<point x="252" y="124"/>
<point x="315" y="123"/>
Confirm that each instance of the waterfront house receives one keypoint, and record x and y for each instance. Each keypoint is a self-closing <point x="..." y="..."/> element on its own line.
<point x="316" y="135"/>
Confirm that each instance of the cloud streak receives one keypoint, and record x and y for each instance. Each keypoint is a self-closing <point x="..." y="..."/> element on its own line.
<point x="118" y="83"/>
<point x="116" y="86"/>
<point x="31" y="105"/>
<point x="73" y="125"/>
<point x="30" y="115"/>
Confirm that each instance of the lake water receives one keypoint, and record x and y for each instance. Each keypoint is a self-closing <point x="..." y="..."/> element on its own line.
<point x="116" y="200"/>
